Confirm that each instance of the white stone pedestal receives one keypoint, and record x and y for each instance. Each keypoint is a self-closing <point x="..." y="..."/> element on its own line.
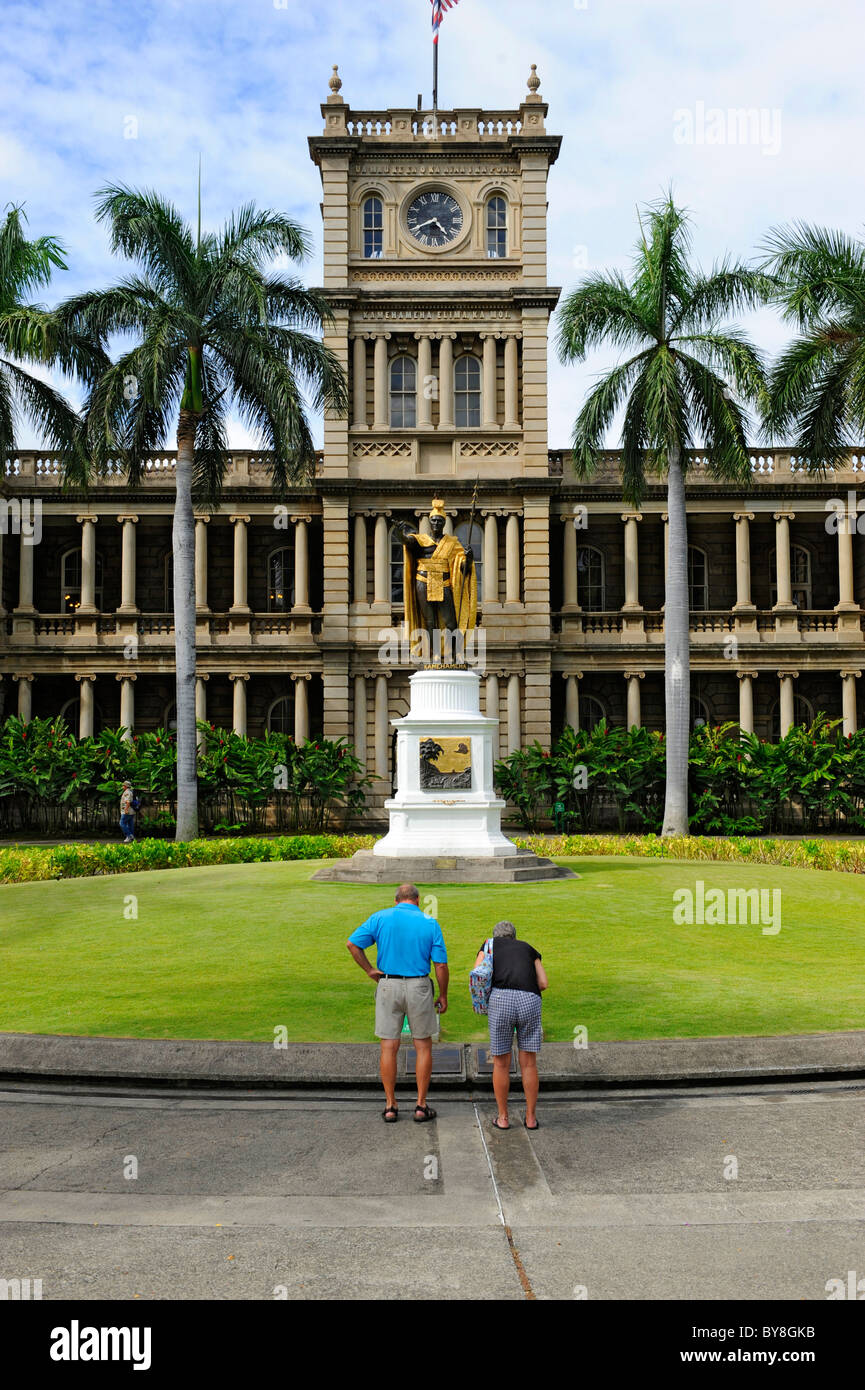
<point x="430" y="820"/>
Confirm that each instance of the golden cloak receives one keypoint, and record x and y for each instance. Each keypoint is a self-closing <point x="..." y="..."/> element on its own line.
<point x="465" y="587"/>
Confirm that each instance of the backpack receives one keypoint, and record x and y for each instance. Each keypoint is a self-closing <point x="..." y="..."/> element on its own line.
<point x="481" y="980"/>
<point x="136" y="804"/>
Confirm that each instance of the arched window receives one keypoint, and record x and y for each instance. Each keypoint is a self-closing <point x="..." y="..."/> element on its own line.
<point x="803" y="713"/>
<point x="477" y="544"/>
<point x="168" y="582"/>
<point x="700" y="712"/>
<point x="70" y="581"/>
<point x="800" y="576"/>
<point x="591" y="586"/>
<point x="403" y="393"/>
<point x="169" y="717"/>
<point x="280" y="716"/>
<point x="497" y="228"/>
<point x="373" y="229"/>
<point x="280" y="580"/>
<point x="467" y="392"/>
<point x="591" y="712"/>
<point x="698" y="579"/>
<point x="397" y="561"/>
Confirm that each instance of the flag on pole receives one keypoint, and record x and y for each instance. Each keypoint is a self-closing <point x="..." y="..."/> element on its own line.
<point x="438" y="8"/>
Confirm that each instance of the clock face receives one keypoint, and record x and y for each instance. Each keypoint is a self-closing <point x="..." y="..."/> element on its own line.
<point x="434" y="218"/>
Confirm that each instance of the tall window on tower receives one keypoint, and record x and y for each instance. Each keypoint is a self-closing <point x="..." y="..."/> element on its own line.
<point x="497" y="228"/>
<point x="403" y="393"/>
<point x="373" y="225"/>
<point x="467" y="391"/>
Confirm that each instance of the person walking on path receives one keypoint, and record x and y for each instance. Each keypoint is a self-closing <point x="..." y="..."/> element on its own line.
<point x="515" y="1003"/>
<point x="407" y="942"/>
<point x="128" y="808"/>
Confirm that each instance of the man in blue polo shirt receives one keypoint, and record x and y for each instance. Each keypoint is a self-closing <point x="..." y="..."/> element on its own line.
<point x="406" y="941"/>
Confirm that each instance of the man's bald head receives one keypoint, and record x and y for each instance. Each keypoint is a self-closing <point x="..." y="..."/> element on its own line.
<point x="407" y="893"/>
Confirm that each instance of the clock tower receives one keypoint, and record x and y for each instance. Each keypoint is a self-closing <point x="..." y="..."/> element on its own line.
<point x="435" y="269"/>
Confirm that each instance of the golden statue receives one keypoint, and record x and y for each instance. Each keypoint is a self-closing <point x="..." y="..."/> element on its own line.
<point x="440" y="585"/>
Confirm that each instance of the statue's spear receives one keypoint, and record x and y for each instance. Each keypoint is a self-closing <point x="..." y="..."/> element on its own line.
<point x="471" y="534"/>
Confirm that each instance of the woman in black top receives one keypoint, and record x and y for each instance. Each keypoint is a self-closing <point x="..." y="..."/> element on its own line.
<point x="515" y="1003"/>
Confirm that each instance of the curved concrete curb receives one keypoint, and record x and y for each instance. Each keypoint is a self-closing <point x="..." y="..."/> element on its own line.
<point x="674" y="1061"/>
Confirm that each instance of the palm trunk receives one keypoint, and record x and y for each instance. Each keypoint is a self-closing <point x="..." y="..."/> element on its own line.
<point x="677" y="674"/>
<point x="183" y="545"/>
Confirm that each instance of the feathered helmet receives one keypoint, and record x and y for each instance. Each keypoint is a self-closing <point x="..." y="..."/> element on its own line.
<point x="438" y="508"/>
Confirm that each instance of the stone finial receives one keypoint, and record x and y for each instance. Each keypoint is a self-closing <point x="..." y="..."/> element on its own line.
<point x="534" y="81"/>
<point x="335" y="82"/>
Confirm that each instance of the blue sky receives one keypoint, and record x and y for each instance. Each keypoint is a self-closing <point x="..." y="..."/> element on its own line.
<point x="241" y="81"/>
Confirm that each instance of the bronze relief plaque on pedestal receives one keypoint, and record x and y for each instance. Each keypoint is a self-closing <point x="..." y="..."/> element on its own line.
<point x="446" y="763"/>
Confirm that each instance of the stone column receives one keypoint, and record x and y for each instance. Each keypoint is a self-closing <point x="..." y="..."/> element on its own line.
<point x="782" y="558"/>
<point x="381" y="419"/>
<point x="239" y="680"/>
<point x="514" y="714"/>
<point x="127" y="706"/>
<point x="127" y="565"/>
<point x="449" y="525"/>
<point x="25" y="694"/>
<point x="512" y="559"/>
<point x="301" y="708"/>
<point x="491" y="559"/>
<point x="743" y="561"/>
<point x="746" y="700"/>
<point x="301" y="565"/>
<point x="85" y="716"/>
<point x="787" y="710"/>
<point x="381" y="596"/>
<point x="572" y="698"/>
<point x="359" y="383"/>
<point x="88" y="567"/>
<point x="240" y="604"/>
<point x="361" y="592"/>
<point x="634" y="716"/>
<point x="382" y="736"/>
<point x="200" y="704"/>
<point x="25" y="577"/>
<point x="632" y="562"/>
<point x="512" y="382"/>
<point x="846" y="530"/>
<point x="489" y="421"/>
<point x="570" y="595"/>
<point x="424" y="375"/>
<point x="360" y="719"/>
<point x="446" y="382"/>
<point x="201" y="525"/>
<point x="848" y="701"/>
<point x="492" y="708"/>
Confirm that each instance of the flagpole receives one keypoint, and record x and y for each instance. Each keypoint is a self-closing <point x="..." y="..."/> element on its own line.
<point x="435" y="76"/>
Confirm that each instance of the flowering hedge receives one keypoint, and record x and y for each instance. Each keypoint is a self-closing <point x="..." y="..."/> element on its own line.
<point x="84" y="861"/>
<point x="794" y="853"/>
<point x="813" y="779"/>
<point x="54" y="783"/>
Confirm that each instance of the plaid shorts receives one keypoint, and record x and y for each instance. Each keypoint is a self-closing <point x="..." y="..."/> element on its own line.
<point x="510" y="1009"/>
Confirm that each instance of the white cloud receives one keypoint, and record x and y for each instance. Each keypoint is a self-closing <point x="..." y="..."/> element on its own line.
<point x="241" y="84"/>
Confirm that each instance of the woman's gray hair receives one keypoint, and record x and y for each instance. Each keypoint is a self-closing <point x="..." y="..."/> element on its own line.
<point x="504" y="929"/>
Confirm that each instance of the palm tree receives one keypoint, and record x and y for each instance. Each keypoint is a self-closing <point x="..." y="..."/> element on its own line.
<point x="29" y="333"/>
<point x="212" y="328"/>
<point x="680" y="387"/>
<point x="817" y="385"/>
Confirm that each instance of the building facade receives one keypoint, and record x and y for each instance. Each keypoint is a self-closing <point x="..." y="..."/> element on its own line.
<point x="435" y="268"/>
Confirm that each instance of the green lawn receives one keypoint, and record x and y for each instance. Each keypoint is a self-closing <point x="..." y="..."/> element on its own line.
<point x="233" y="951"/>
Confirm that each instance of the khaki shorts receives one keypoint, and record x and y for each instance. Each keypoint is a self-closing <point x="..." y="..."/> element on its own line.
<point x="399" y="999"/>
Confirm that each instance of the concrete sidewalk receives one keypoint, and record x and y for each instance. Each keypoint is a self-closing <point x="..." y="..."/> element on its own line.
<point x="251" y="1064"/>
